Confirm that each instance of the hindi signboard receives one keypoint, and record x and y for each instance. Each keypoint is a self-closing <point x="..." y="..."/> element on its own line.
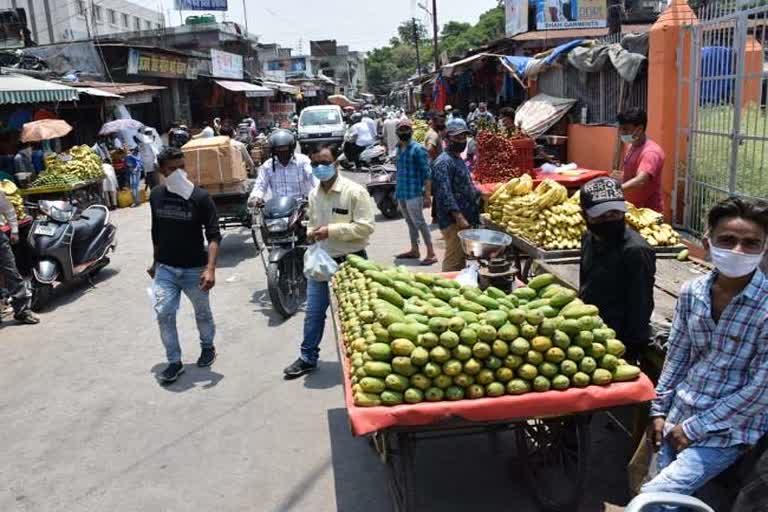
<point x="145" y="63"/>
<point x="201" y="5"/>
<point x="226" y="65"/>
<point x="564" y="14"/>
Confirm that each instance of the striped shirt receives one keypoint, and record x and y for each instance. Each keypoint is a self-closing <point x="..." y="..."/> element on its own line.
<point x="292" y="180"/>
<point x="715" y="377"/>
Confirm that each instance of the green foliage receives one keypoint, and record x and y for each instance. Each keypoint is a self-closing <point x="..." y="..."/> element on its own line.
<point x="406" y="31"/>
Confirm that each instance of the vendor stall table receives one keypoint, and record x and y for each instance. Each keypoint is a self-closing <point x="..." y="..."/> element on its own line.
<point x="552" y="431"/>
<point x="86" y="193"/>
<point x="571" y="181"/>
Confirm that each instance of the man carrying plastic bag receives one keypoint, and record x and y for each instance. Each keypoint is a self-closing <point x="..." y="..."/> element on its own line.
<point x="341" y="218"/>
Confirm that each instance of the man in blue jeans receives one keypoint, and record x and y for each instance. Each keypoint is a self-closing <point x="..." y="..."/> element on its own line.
<point x="712" y="396"/>
<point x="341" y="218"/>
<point x="414" y="190"/>
<point x="181" y="212"/>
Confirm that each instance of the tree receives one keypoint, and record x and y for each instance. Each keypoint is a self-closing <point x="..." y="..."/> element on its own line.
<point x="405" y="31"/>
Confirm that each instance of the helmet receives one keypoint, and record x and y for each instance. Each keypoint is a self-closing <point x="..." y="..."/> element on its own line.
<point x="356" y="117"/>
<point x="280" y="138"/>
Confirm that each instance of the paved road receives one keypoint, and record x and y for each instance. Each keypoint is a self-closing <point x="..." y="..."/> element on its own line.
<point x="86" y="427"/>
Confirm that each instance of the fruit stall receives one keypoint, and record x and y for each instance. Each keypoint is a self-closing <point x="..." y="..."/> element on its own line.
<point x="76" y="175"/>
<point x="545" y="222"/>
<point x="424" y="357"/>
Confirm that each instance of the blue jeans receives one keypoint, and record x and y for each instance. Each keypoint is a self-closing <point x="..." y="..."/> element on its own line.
<point x="318" y="301"/>
<point x="688" y="471"/>
<point x="168" y="285"/>
<point x="135" y="178"/>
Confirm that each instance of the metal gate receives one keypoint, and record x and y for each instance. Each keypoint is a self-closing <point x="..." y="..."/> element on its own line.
<point x="727" y="127"/>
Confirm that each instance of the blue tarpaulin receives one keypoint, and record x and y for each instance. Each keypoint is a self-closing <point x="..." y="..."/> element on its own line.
<point x="557" y="51"/>
<point x="717" y="61"/>
<point x="519" y="64"/>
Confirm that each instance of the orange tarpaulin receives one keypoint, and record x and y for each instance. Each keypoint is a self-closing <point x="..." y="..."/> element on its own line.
<point x="365" y="420"/>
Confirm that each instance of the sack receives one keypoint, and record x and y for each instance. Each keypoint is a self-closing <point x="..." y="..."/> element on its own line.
<point x="318" y="265"/>
<point x="644" y="465"/>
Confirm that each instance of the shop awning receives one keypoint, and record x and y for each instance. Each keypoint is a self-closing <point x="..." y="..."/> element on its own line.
<point x="25" y="89"/>
<point x="282" y="87"/>
<point x="250" y="90"/>
<point x="449" y="69"/>
<point x="93" y="91"/>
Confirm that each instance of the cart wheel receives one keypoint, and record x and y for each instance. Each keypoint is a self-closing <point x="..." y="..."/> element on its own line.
<point x="554" y="456"/>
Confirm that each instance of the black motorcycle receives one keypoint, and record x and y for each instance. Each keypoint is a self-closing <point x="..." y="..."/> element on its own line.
<point x="66" y="244"/>
<point x="381" y="186"/>
<point x="280" y="224"/>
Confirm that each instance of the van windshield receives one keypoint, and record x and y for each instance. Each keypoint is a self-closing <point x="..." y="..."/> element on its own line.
<point x="320" y="117"/>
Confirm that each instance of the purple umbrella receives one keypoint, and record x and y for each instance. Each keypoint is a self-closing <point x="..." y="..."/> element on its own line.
<point x="119" y="125"/>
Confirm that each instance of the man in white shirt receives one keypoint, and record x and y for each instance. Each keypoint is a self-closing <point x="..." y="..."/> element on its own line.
<point x="15" y="284"/>
<point x="372" y="126"/>
<point x="389" y="134"/>
<point x="358" y="138"/>
<point x="206" y="133"/>
<point x="286" y="174"/>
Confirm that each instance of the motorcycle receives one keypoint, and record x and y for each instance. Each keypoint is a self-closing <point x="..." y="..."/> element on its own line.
<point x="66" y="244"/>
<point x="281" y="226"/>
<point x="373" y="155"/>
<point x="381" y="186"/>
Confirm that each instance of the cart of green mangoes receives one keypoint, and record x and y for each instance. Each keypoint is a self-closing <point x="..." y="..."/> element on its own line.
<point x="425" y="357"/>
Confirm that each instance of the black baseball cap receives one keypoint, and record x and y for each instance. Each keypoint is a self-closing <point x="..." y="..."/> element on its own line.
<point x="602" y="195"/>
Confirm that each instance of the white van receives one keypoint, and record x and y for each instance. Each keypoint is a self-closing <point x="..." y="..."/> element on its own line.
<point x="321" y="124"/>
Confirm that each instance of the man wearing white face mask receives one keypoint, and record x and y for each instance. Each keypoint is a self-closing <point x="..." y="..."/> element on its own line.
<point x="643" y="161"/>
<point x="341" y="216"/>
<point x="181" y="213"/>
<point x="712" y="396"/>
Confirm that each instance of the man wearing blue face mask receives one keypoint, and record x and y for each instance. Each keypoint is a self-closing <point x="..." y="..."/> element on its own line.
<point x="341" y="218"/>
<point x="643" y="161"/>
<point x="712" y="396"/>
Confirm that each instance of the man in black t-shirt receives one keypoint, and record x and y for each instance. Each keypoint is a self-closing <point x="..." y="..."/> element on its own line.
<point x="181" y="212"/>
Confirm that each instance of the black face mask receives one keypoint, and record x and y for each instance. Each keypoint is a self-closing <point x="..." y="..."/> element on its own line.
<point x="457" y="147"/>
<point x="405" y="137"/>
<point x="611" y="231"/>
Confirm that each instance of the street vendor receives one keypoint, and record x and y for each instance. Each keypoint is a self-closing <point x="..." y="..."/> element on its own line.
<point x="341" y="216"/>
<point x="285" y="174"/>
<point x="20" y="296"/>
<point x="433" y="140"/>
<point x="618" y="266"/>
<point x="22" y="162"/>
<point x="643" y="161"/>
<point x="507" y="119"/>
<point x="457" y="200"/>
<point x="711" y="401"/>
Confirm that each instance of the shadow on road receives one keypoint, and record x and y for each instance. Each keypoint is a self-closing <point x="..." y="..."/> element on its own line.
<point x="264" y="306"/>
<point x="235" y="248"/>
<point x="327" y="375"/>
<point x="69" y="292"/>
<point x="193" y="377"/>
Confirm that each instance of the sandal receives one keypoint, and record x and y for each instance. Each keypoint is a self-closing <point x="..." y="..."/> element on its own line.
<point x="426" y="262"/>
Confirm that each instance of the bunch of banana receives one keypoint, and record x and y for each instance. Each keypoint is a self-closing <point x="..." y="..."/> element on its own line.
<point x="10" y="190"/>
<point x="515" y="187"/>
<point x="420" y="128"/>
<point x="651" y="226"/>
<point x="82" y="164"/>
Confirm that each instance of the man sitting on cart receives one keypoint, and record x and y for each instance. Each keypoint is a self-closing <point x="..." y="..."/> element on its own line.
<point x="285" y="174"/>
<point x="712" y="396"/>
<point x="618" y="267"/>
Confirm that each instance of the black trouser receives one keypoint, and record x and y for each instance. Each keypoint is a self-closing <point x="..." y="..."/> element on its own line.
<point x="16" y="286"/>
<point x="352" y="151"/>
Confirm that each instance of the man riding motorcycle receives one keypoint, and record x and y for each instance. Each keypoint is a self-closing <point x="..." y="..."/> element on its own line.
<point x="285" y="174"/>
<point x="358" y="138"/>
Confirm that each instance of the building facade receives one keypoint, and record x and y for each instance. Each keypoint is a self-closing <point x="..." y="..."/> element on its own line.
<point x="57" y="21"/>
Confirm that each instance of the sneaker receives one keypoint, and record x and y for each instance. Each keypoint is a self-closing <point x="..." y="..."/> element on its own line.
<point x="298" y="368"/>
<point x="27" y="317"/>
<point x="172" y="373"/>
<point x="207" y="357"/>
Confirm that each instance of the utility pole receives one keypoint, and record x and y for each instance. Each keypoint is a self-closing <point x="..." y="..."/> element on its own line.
<point x="245" y="18"/>
<point x="416" y="43"/>
<point x="434" y="35"/>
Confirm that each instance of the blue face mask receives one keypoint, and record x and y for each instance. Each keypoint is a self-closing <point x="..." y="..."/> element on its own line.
<point x="324" y="172"/>
<point x="628" y="138"/>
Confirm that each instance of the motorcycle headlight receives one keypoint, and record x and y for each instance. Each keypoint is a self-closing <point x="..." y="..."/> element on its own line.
<point x="60" y="215"/>
<point x="277" y="225"/>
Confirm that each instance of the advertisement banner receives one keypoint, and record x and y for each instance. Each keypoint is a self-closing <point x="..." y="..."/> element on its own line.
<point x="164" y="66"/>
<point x="516" y="16"/>
<point x="226" y="65"/>
<point x="201" y="5"/>
<point x="563" y="14"/>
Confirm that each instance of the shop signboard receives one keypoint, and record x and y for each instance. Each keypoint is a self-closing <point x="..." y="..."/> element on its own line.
<point x="565" y="14"/>
<point x="226" y="65"/>
<point x="201" y="5"/>
<point x="516" y="16"/>
<point x="145" y="63"/>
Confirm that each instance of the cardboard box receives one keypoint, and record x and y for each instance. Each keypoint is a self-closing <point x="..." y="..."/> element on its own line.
<point x="238" y="187"/>
<point x="213" y="161"/>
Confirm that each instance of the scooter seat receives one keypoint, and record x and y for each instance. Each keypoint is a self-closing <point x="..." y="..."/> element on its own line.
<point x="91" y="221"/>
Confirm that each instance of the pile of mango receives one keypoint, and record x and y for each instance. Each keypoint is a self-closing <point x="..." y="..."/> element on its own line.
<point x="419" y="337"/>
<point x="81" y="164"/>
<point x="549" y="219"/>
<point x="10" y="190"/>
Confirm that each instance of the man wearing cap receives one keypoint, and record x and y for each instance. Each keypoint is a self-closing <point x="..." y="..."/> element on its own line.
<point x="457" y="200"/>
<point x="414" y="190"/>
<point x="618" y="266"/>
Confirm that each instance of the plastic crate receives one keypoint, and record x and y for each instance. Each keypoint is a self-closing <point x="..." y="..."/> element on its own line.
<point x="525" y="149"/>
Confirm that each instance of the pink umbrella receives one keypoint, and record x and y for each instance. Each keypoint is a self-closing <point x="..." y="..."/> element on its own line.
<point x="44" y="129"/>
<point x="119" y="125"/>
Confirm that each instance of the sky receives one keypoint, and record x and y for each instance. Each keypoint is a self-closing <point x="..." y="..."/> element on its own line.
<point x="360" y="24"/>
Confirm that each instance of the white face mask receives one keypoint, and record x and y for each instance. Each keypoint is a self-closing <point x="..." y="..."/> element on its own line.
<point x="628" y="138"/>
<point x="178" y="183"/>
<point x="734" y="264"/>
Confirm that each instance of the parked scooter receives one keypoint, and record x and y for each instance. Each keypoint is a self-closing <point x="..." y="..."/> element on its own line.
<point x="65" y="245"/>
<point x="373" y="155"/>
<point x="381" y="186"/>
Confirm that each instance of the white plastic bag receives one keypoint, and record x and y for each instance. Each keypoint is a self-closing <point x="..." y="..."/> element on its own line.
<point x="469" y="276"/>
<point x="318" y="265"/>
